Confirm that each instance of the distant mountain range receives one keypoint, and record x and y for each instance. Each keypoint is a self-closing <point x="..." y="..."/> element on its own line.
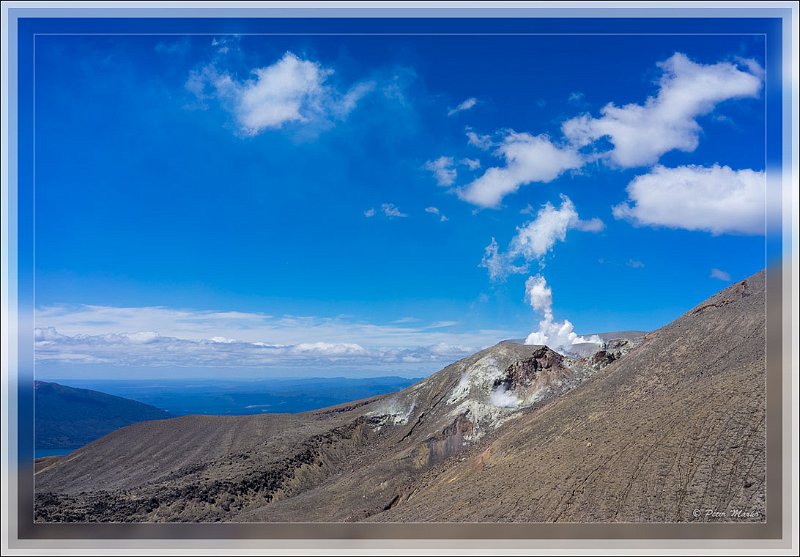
<point x="647" y="429"/>
<point x="236" y="397"/>
<point x="67" y="418"/>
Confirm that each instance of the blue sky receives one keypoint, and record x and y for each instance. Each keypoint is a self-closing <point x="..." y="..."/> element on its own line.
<point x="256" y="205"/>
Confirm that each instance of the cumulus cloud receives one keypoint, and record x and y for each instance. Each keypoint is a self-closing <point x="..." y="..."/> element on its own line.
<point x="369" y="213"/>
<point x="465" y="105"/>
<point x="391" y="211"/>
<point x="591" y="225"/>
<point x="527" y="159"/>
<point x="291" y="90"/>
<point x="472" y="164"/>
<point x="559" y="336"/>
<point x="536" y="238"/>
<point x="720" y="274"/>
<point x="443" y="170"/>
<point x="716" y="199"/>
<point x="482" y="142"/>
<point x="641" y="133"/>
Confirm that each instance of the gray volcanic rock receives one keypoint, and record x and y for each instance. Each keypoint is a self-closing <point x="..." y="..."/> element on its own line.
<point x="646" y="431"/>
<point x="674" y="426"/>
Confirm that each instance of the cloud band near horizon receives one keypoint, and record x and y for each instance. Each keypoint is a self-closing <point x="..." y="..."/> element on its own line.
<point x="158" y="337"/>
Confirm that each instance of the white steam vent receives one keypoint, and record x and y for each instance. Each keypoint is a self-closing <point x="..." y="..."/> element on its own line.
<point x="559" y="336"/>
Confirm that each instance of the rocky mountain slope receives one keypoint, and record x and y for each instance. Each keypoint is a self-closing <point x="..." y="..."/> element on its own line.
<point x="646" y="429"/>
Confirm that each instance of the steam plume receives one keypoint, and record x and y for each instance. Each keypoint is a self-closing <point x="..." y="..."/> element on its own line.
<point x="559" y="336"/>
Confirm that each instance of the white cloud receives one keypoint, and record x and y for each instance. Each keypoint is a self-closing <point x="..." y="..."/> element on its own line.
<point x="225" y="44"/>
<point x="144" y="337"/>
<point x="443" y="170"/>
<point x="223" y="340"/>
<point x="159" y="351"/>
<point x="559" y="336"/>
<point x="290" y="90"/>
<point x="591" y="225"/>
<point x="639" y="133"/>
<point x="719" y="274"/>
<point x="444" y="348"/>
<point x="472" y="164"/>
<point x="465" y="105"/>
<point x="348" y="102"/>
<point x="716" y="199"/>
<point x="687" y="90"/>
<point x="329" y="349"/>
<point x="435" y="211"/>
<point x="528" y="159"/>
<point x="391" y="211"/>
<point x="635" y="264"/>
<point x="186" y="338"/>
<point x="536" y="238"/>
<point x="500" y="265"/>
<point x="483" y="142"/>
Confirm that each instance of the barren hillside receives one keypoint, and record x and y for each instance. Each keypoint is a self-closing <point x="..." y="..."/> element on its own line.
<point x="647" y="429"/>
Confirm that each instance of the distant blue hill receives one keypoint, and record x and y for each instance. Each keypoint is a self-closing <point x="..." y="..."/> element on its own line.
<point x="242" y="397"/>
<point x="67" y="418"/>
